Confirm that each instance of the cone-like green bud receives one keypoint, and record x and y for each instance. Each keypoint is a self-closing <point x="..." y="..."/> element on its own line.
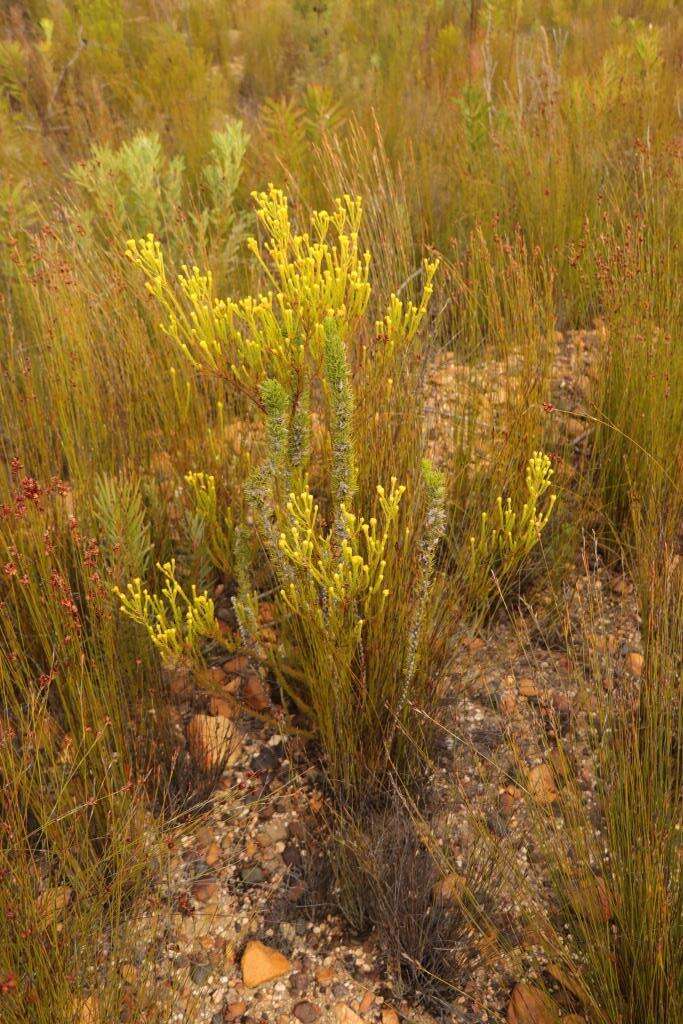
<point x="341" y="415"/>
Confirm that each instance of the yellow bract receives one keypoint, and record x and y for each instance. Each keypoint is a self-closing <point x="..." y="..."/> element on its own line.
<point x="175" y="621"/>
<point x="402" y="320"/>
<point x="511" y="535"/>
<point x="348" y="574"/>
<point x="317" y="276"/>
<point x="314" y="276"/>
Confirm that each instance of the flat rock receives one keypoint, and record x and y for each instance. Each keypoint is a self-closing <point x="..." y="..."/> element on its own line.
<point x="212" y="741"/>
<point x="343" y="1014"/>
<point x="261" y="964"/>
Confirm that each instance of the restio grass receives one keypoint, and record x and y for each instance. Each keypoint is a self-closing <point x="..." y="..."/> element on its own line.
<point x="158" y="438"/>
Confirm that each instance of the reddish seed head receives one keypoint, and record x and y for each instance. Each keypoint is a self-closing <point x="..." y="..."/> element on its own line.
<point x="30" y="488"/>
<point x="9" y="983"/>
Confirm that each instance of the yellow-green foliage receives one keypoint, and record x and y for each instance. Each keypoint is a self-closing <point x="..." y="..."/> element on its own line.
<point x="218" y="526"/>
<point x="338" y="585"/>
<point x="316" y="275"/>
<point x="507" y="536"/>
<point x="177" y="622"/>
<point x="349" y="576"/>
<point x="274" y="334"/>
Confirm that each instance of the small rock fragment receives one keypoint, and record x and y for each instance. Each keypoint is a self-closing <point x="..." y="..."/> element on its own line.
<point x="221" y="707"/>
<point x="261" y="964"/>
<point x="449" y="888"/>
<point x="343" y="1014"/>
<point x="252" y="875"/>
<point x="233" y="1011"/>
<point x="366" y="1003"/>
<point x="324" y="976"/>
<point x="508" y="802"/>
<point x="530" y="1005"/>
<point x="237" y="665"/>
<point x="211" y="678"/>
<point x="254" y="693"/>
<point x="212" y="741"/>
<point x="205" y="889"/>
<point x="213" y="854"/>
<point x="527" y="688"/>
<point x="507" y="702"/>
<point x="542" y="786"/>
<point x="52" y="903"/>
<point x="178" y="679"/>
<point x="306" y="1012"/>
<point x="634" y="664"/>
<point x="89" y="1012"/>
<point x="199" y="973"/>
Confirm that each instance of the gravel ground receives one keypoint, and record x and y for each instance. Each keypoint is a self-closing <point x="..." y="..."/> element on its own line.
<point x="243" y="878"/>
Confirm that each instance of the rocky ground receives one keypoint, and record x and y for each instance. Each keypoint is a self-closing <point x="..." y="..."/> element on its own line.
<point x="236" y="931"/>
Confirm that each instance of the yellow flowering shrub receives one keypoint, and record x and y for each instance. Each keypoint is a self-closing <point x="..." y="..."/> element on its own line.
<point x="352" y="586"/>
<point x="507" y="537"/>
<point x="176" y="622"/>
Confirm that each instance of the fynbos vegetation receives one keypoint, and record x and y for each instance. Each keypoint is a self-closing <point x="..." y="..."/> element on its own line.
<point x="341" y="448"/>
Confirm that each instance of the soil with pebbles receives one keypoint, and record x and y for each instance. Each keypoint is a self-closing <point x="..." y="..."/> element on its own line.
<point x="246" y="873"/>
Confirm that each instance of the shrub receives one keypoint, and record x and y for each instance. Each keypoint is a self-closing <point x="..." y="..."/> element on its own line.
<point x="506" y="538"/>
<point x="354" y="586"/>
<point x="133" y="188"/>
<point x="137" y="188"/>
